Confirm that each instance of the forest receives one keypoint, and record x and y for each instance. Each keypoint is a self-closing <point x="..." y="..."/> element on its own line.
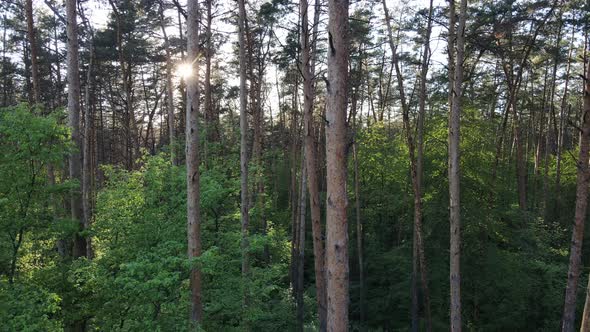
<point x="294" y="165"/>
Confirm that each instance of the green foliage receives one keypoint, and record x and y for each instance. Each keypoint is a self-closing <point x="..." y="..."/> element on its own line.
<point x="28" y="308"/>
<point x="139" y="279"/>
<point x="29" y="225"/>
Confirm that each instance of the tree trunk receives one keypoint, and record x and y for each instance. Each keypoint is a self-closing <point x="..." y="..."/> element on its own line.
<point x="419" y="171"/>
<point x="311" y="156"/>
<point x="454" y="171"/>
<point x="585" y="327"/>
<point x="243" y="151"/>
<point x="33" y="45"/>
<point x="541" y="127"/>
<point x="87" y="172"/>
<point x="573" y="275"/>
<point x="419" y="256"/>
<point x="521" y="169"/>
<point x="336" y="150"/>
<point x="192" y="161"/>
<point x="211" y="116"/>
<point x="132" y="147"/>
<point x="301" y="246"/>
<point x="560" y="135"/>
<point x="169" y="91"/>
<point x="293" y="189"/>
<point x="359" y="237"/>
<point x="5" y="76"/>
<point x="75" y="160"/>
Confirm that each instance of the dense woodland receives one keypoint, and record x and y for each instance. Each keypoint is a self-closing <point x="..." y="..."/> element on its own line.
<point x="325" y="165"/>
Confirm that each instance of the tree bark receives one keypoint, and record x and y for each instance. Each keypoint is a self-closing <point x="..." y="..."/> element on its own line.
<point x="133" y="138"/>
<point x="243" y="151"/>
<point x="454" y="170"/>
<point x="75" y="160"/>
<point x="586" y="314"/>
<point x="293" y="189"/>
<point x="541" y="127"/>
<point x="561" y="132"/>
<point x="301" y="245"/>
<point x="169" y="91"/>
<point x="418" y="252"/>
<point x="336" y="150"/>
<point x="192" y="161"/>
<point x="359" y="237"/>
<point x="33" y="46"/>
<point x="211" y="116"/>
<point x="87" y="171"/>
<point x="575" y="261"/>
<point x="311" y="156"/>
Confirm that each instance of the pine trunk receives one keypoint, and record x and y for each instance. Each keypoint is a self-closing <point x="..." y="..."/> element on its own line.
<point x="243" y="150"/>
<point x="33" y="46"/>
<point x="454" y="171"/>
<point x="575" y="262"/>
<point x="192" y="161"/>
<point x="311" y="158"/>
<point x="169" y="91"/>
<point x="75" y="162"/>
<point x="336" y="151"/>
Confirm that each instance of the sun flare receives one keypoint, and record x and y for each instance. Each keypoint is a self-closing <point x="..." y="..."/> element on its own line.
<point x="184" y="70"/>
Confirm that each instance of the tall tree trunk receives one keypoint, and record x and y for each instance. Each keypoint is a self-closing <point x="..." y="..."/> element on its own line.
<point x="211" y="116"/>
<point x="573" y="275"/>
<point x="419" y="256"/>
<point x="301" y="245"/>
<point x="561" y="133"/>
<point x="311" y="155"/>
<point x="58" y="84"/>
<point x="541" y="126"/>
<point x="293" y="188"/>
<point x="359" y="237"/>
<point x="192" y="160"/>
<point x="336" y="150"/>
<point x="521" y="168"/>
<point x="126" y="74"/>
<point x="419" y="171"/>
<point x="454" y="171"/>
<point x="33" y="46"/>
<point x="75" y="160"/>
<point x="182" y="85"/>
<point x="243" y="151"/>
<point x="586" y="314"/>
<point x="5" y="76"/>
<point x="169" y="91"/>
<point x="87" y="171"/>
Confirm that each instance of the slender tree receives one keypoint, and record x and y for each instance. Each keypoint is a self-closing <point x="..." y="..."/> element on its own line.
<point x="336" y="150"/>
<point x="192" y="159"/>
<point x="75" y="160"/>
<point x="301" y="245"/>
<point x="87" y="169"/>
<point x="243" y="148"/>
<point x="454" y="165"/>
<point x="169" y="88"/>
<point x="308" y="69"/>
<point x="419" y="259"/>
<point x="561" y="133"/>
<point x="33" y="46"/>
<point x="575" y="261"/>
